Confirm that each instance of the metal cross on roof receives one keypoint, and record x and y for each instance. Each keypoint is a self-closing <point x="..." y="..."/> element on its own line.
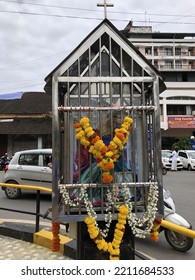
<point x="105" y="5"/>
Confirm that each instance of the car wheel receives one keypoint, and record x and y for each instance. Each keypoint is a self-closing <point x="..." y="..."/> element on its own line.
<point x="189" y="167"/>
<point x="12" y="193"/>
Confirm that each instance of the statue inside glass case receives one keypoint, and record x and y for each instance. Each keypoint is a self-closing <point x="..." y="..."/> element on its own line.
<point x="107" y="162"/>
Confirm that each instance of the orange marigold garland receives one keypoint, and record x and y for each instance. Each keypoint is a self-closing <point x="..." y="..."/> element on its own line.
<point x="105" y="155"/>
<point x="112" y="247"/>
<point x="155" y="229"/>
<point x="56" y="238"/>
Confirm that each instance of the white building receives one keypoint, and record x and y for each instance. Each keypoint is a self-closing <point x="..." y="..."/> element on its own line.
<point x="173" y="54"/>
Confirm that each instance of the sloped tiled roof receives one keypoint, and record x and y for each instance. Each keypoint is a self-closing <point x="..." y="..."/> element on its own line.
<point x="27" y="126"/>
<point x="30" y="103"/>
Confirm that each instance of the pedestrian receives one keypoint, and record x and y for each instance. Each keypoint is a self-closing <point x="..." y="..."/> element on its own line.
<point x="174" y="156"/>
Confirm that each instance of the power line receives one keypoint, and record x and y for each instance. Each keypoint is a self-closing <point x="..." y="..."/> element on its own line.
<point x="31" y="61"/>
<point x="48" y="15"/>
<point x="93" y="10"/>
<point x="93" y="18"/>
<point x="51" y="6"/>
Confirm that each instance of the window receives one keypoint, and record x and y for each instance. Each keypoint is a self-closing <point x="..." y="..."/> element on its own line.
<point x="155" y="51"/>
<point x="176" y="110"/>
<point x="168" y="51"/>
<point x="178" y="64"/>
<point x="182" y="154"/>
<point x="28" y="159"/>
<point x="168" y="64"/>
<point x="148" y="50"/>
<point x="177" y="51"/>
<point x="156" y="64"/>
<point x="46" y="159"/>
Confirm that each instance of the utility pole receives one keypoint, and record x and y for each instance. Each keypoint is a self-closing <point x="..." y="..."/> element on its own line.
<point x="105" y="5"/>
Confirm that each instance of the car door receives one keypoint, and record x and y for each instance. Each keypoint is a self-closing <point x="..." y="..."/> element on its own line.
<point x="28" y="169"/>
<point x="45" y="171"/>
<point x="184" y="159"/>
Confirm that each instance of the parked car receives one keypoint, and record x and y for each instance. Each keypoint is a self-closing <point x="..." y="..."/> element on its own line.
<point x="28" y="167"/>
<point x="166" y="160"/>
<point x="187" y="157"/>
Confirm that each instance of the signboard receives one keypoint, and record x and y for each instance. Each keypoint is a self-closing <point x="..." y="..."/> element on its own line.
<point x="181" y="122"/>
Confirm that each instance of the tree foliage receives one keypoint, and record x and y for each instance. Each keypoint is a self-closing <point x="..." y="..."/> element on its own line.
<point x="182" y="143"/>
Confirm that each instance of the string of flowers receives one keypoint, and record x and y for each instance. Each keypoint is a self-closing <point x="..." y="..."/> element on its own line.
<point x="142" y="226"/>
<point x="112" y="247"/>
<point x="83" y="197"/>
<point x="105" y="155"/>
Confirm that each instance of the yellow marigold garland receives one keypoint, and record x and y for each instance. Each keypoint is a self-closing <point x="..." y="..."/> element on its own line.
<point x="105" y="155"/>
<point x="112" y="247"/>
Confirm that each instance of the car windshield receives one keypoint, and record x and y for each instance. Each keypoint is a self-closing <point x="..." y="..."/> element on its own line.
<point x="166" y="154"/>
<point x="191" y="154"/>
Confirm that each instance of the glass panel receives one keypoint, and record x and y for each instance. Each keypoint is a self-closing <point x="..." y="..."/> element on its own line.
<point x="115" y="50"/>
<point x="84" y="64"/>
<point x="105" y="63"/>
<point x="95" y="67"/>
<point x="105" y="41"/>
<point x="29" y="159"/>
<point x="116" y="59"/>
<point x="137" y="69"/>
<point x="95" y="71"/>
<point x="115" y="69"/>
<point x="127" y="64"/>
<point x="116" y="91"/>
<point x="73" y="70"/>
<point x="127" y="96"/>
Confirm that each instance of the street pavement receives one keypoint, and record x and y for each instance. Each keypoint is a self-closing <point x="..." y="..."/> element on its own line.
<point x="18" y="241"/>
<point x="15" y="249"/>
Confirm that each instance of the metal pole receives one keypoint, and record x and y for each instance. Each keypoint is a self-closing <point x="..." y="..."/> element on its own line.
<point x="37" y="211"/>
<point x="55" y="149"/>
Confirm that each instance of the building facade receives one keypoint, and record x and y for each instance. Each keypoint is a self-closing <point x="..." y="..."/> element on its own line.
<point x="25" y="121"/>
<point x="173" y="54"/>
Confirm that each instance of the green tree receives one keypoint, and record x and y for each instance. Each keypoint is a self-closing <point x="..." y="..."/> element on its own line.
<point x="182" y="143"/>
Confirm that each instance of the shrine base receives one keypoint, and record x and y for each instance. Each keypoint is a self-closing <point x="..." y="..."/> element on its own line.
<point x="87" y="249"/>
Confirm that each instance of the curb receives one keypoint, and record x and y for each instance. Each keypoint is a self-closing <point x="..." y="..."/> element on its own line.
<point x="67" y="245"/>
<point x="43" y="238"/>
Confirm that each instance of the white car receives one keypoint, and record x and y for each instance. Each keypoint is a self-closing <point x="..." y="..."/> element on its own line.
<point x="188" y="158"/>
<point x="167" y="161"/>
<point x="28" y="167"/>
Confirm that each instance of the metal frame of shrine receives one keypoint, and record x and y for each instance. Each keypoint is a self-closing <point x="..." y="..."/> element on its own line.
<point x="102" y="85"/>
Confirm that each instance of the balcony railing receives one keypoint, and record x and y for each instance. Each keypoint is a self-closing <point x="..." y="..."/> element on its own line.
<point x="180" y="54"/>
<point x="177" y="67"/>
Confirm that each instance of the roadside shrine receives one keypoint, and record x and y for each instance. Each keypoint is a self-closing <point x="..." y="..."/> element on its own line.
<point x="107" y="179"/>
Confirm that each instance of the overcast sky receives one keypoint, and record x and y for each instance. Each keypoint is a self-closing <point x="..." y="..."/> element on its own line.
<point x="36" y="35"/>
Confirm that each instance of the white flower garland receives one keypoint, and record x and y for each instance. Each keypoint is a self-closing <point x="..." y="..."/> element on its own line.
<point x="142" y="226"/>
<point x="139" y="226"/>
<point x="83" y="196"/>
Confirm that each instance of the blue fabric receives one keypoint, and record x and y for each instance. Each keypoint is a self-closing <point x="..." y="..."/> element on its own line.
<point x="11" y="96"/>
